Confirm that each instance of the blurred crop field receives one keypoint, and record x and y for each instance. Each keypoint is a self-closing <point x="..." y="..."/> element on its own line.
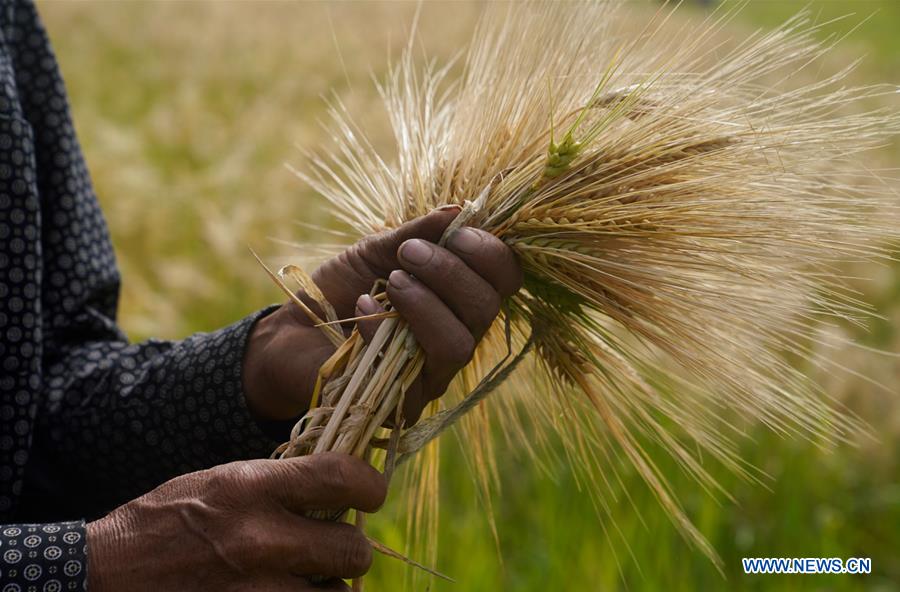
<point x="188" y="112"/>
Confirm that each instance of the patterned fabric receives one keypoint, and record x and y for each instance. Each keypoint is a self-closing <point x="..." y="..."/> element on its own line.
<point x="87" y="421"/>
<point x="43" y="557"/>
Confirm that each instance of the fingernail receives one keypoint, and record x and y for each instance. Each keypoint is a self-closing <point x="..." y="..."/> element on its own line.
<point x="417" y="252"/>
<point x="366" y="305"/>
<point x="399" y="279"/>
<point x="465" y="240"/>
<point x="449" y="207"/>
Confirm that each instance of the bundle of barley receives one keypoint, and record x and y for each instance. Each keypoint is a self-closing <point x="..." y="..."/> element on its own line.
<point x="678" y="206"/>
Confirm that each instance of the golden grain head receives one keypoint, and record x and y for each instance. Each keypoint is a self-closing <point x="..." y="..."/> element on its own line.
<point x="678" y="202"/>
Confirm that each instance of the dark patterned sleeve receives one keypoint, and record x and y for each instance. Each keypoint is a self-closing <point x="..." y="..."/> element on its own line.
<point x="120" y="419"/>
<point x="103" y="421"/>
<point x="43" y="557"/>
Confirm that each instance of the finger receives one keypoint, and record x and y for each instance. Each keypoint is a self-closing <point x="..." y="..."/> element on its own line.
<point x="489" y="257"/>
<point x="446" y="341"/>
<point x="326" y="481"/>
<point x="328" y="549"/>
<point x="471" y="298"/>
<point x="366" y="305"/>
<point x="354" y="271"/>
<point x="416" y="399"/>
<point x="281" y="545"/>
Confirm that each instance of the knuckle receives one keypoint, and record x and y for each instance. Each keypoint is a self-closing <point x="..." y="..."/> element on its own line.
<point x="335" y="471"/>
<point x="242" y="473"/>
<point x="371" y="242"/>
<point x="235" y="484"/>
<point x="233" y="478"/>
<point x="294" y="482"/>
<point x="375" y="251"/>
<point x="245" y="545"/>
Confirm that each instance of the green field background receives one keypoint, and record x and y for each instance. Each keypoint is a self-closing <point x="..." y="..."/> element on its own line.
<point x="187" y="113"/>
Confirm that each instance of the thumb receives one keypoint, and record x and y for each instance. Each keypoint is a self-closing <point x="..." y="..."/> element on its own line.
<point x="380" y="250"/>
<point x="343" y="278"/>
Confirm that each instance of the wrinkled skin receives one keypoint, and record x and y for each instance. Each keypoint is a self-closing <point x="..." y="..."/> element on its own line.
<point x="241" y="526"/>
<point x="449" y="296"/>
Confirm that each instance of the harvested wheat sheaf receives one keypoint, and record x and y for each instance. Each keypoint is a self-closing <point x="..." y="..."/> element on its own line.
<point x="679" y="207"/>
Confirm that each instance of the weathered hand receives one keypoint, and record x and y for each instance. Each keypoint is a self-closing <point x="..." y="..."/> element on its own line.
<point x="449" y="296"/>
<point x="239" y="526"/>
